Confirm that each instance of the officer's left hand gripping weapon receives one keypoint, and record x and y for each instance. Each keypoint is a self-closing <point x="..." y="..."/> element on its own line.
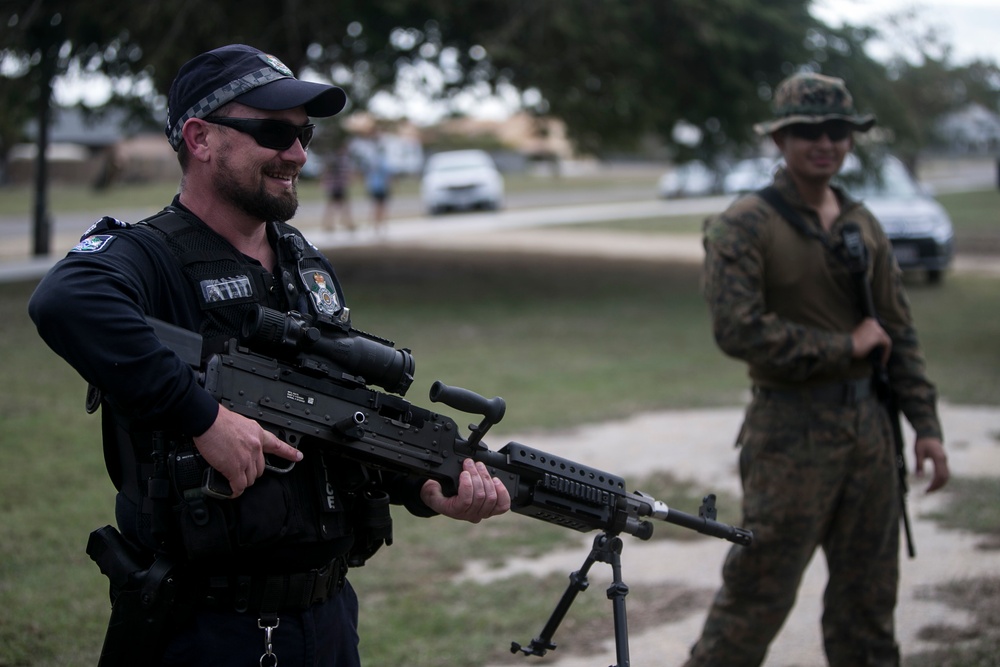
<point x="300" y="381"/>
<point x="857" y="255"/>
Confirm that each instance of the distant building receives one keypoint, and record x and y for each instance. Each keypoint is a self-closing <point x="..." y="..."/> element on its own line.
<point x="97" y="151"/>
<point x="974" y="130"/>
<point x="404" y="155"/>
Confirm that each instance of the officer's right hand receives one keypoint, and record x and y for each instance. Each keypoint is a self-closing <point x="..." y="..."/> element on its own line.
<point x="868" y="336"/>
<point x="235" y="446"/>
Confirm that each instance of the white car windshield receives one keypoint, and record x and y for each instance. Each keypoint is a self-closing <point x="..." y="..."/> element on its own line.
<point x="889" y="181"/>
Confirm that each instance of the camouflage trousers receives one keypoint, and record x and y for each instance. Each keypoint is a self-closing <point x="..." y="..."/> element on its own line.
<point x="814" y="475"/>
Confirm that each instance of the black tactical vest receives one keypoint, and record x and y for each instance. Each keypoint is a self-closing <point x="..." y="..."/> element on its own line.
<point x="296" y="516"/>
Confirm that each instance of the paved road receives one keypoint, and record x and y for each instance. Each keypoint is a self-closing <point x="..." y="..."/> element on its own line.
<point x="524" y="211"/>
<point x="594" y="207"/>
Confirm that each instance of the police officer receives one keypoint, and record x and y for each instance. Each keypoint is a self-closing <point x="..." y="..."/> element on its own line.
<point x="817" y="459"/>
<point x="260" y="577"/>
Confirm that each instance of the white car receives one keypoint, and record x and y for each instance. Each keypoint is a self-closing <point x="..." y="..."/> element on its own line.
<point x="749" y="175"/>
<point x="461" y="180"/>
<point x="691" y="179"/>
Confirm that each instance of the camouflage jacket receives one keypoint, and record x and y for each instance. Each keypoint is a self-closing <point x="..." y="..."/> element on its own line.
<point x="785" y="304"/>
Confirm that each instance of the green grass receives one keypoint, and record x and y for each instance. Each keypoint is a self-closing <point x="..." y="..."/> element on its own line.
<point x="565" y="341"/>
<point x="974" y="212"/>
<point x="963" y="644"/>
<point x="75" y="198"/>
<point x="971" y="504"/>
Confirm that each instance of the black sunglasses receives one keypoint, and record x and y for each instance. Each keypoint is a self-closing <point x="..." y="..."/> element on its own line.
<point x="269" y="133"/>
<point x="835" y="130"/>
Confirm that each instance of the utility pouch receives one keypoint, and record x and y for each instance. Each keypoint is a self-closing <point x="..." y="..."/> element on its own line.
<point x="142" y="597"/>
<point x="202" y="522"/>
<point x="372" y="526"/>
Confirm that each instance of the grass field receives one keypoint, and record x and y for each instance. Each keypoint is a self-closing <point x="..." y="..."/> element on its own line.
<point x="567" y="341"/>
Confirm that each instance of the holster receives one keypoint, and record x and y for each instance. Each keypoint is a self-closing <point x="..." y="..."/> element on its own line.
<point x="142" y="595"/>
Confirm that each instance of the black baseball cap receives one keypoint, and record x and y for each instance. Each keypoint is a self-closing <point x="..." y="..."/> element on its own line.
<point x="246" y="75"/>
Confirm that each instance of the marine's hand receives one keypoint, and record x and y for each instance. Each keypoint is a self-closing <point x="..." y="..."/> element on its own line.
<point x="479" y="495"/>
<point x="868" y="336"/>
<point x="933" y="449"/>
<point x="235" y="446"/>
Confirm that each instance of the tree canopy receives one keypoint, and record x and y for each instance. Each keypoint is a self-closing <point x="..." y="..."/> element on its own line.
<point x="617" y="72"/>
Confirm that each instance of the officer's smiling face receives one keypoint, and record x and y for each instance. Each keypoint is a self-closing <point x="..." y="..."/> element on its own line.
<point x="813" y="158"/>
<point x="258" y="180"/>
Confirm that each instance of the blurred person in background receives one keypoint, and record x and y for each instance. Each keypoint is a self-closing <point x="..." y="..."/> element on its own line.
<point x="337" y="176"/>
<point x="817" y="460"/>
<point x="378" y="184"/>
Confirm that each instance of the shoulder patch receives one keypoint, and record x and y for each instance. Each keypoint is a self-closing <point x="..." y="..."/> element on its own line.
<point x="321" y="288"/>
<point x="94" y="243"/>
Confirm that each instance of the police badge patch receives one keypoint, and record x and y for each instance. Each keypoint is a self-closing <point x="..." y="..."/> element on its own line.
<point x="275" y="63"/>
<point x="320" y="286"/>
<point x="95" y="243"/>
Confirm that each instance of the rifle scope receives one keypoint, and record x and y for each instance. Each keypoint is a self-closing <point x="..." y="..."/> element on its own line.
<point x="352" y="352"/>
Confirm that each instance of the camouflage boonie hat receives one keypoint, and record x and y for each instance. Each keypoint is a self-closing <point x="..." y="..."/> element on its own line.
<point x="813" y="98"/>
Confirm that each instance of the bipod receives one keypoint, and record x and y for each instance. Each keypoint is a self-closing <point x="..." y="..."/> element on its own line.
<point x="607" y="549"/>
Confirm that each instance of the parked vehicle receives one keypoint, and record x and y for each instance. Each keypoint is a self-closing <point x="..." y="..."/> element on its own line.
<point x="918" y="226"/>
<point x="690" y="179"/>
<point x="749" y="175"/>
<point x="461" y="180"/>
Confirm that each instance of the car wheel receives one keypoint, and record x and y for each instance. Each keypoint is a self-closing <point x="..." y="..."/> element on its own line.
<point x="935" y="276"/>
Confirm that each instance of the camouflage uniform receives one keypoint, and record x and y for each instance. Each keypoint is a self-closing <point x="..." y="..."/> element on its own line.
<point x="817" y="471"/>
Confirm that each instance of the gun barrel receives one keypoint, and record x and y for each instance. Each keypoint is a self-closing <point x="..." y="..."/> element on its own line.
<point x="701" y="524"/>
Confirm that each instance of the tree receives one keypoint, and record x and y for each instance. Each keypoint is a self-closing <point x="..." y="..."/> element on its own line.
<point x="41" y="39"/>
<point x="617" y="72"/>
<point x="917" y="85"/>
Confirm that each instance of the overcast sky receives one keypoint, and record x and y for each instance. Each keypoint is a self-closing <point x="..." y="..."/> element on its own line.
<point x="971" y="26"/>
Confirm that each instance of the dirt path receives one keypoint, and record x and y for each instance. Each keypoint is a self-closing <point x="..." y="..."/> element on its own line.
<point x="638" y="246"/>
<point x="698" y="445"/>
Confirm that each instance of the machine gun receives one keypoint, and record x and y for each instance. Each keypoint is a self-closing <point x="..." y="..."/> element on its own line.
<point x="318" y="389"/>
<point x="299" y="381"/>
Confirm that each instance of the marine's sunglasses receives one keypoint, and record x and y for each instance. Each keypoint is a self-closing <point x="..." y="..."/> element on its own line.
<point x="836" y="130"/>
<point x="267" y="132"/>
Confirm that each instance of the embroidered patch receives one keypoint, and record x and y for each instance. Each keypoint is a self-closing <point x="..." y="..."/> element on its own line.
<point x="226" y="289"/>
<point x="320" y="286"/>
<point x="275" y="63"/>
<point x="95" y="243"/>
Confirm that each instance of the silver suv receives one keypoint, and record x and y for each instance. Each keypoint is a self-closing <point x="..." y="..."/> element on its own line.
<point x="918" y="226"/>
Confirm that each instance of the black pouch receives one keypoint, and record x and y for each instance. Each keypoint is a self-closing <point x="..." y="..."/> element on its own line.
<point x="202" y="522"/>
<point x="372" y="526"/>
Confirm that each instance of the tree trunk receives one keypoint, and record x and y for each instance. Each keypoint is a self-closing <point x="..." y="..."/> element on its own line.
<point x="42" y="232"/>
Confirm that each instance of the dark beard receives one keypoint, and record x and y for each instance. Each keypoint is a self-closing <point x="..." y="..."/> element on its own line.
<point x="256" y="203"/>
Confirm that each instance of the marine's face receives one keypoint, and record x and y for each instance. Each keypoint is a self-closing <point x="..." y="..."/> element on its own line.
<point x="814" y="152"/>
<point x="258" y="180"/>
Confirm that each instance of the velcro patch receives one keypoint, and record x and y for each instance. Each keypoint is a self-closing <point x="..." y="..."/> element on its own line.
<point x="95" y="243"/>
<point x="226" y="289"/>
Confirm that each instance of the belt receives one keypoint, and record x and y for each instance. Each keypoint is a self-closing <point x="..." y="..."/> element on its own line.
<point x="273" y="592"/>
<point x="841" y="393"/>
